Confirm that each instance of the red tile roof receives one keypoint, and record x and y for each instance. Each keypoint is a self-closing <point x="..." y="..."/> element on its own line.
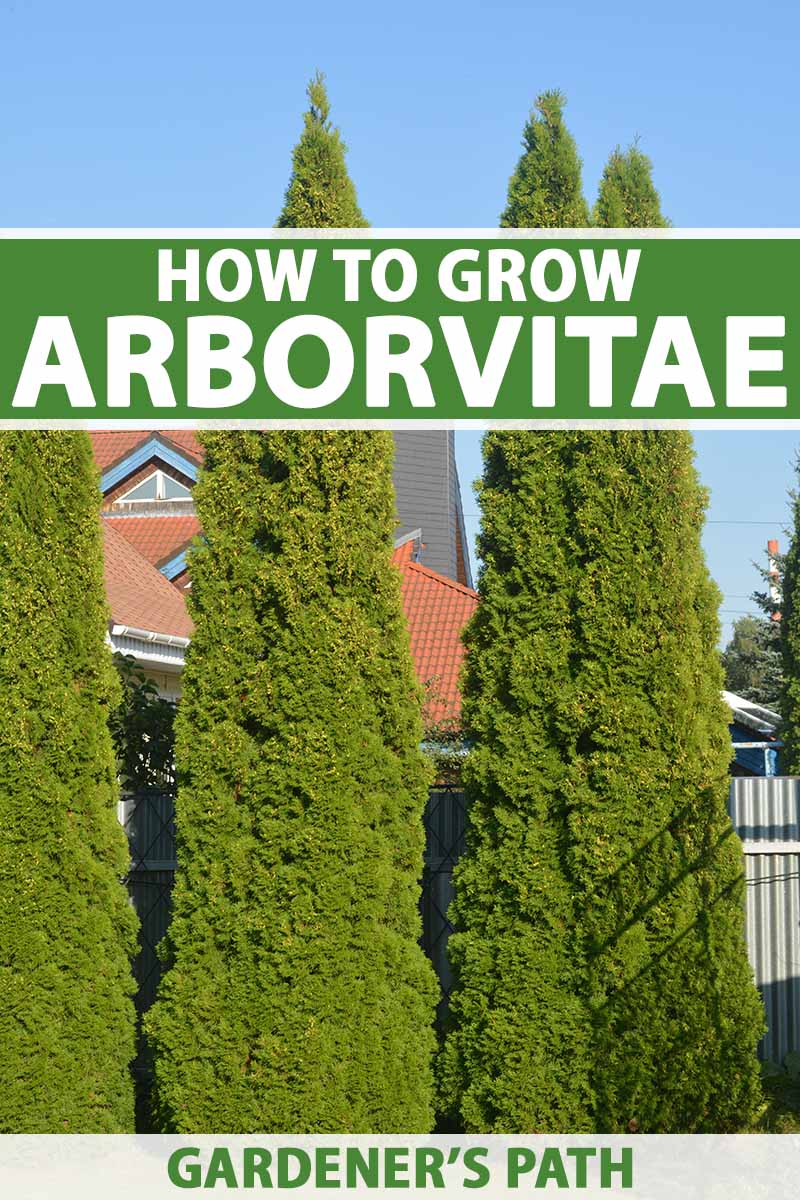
<point x="138" y="594"/>
<point x="437" y="609"/>
<point x="109" y="448"/>
<point x="158" y="539"/>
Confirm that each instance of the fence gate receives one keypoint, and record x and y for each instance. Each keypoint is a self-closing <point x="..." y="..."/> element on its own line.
<point x="445" y="821"/>
<point x="766" y="815"/>
<point x="148" y="818"/>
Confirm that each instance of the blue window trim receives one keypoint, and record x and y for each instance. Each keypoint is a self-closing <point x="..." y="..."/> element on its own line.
<point x="175" y="565"/>
<point x="153" y="447"/>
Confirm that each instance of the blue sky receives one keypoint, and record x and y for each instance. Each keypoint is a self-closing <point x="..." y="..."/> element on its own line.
<point x="182" y="113"/>
<point x="748" y="476"/>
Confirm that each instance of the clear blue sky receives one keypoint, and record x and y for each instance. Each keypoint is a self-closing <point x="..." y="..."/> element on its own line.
<point x="181" y="113"/>
<point x="748" y="476"/>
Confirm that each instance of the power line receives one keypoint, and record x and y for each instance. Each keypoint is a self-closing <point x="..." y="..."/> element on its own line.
<point x="715" y="521"/>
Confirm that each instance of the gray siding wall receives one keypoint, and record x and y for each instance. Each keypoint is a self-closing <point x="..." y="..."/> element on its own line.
<point x="429" y="496"/>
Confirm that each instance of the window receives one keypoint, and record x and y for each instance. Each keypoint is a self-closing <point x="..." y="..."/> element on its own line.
<point x="158" y="486"/>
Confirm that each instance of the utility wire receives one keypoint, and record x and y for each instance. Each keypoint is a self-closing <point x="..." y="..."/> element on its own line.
<point x="715" y="521"/>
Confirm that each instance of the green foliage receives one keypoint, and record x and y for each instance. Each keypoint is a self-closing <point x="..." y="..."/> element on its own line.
<point x="602" y="981"/>
<point x="66" y="928"/>
<point x="320" y="194"/>
<point x="142" y="727"/>
<point x="628" y="198"/>
<point x="516" y="1057"/>
<point x="297" y="997"/>
<point x="443" y="744"/>
<point x="752" y="660"/>
<point x="780" y="1112"/>
<point x="545" y="190"/>
<point x="790" y="644"/>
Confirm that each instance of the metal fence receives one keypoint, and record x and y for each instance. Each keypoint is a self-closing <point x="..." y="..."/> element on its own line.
<point x="765" y="812"/>
<point x="766" y="815"/>
<point x="445" y="824"/>
<point x="148" y="818"/>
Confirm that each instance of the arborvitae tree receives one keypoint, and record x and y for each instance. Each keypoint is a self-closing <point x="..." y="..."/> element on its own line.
<point x="603" y="980"/>
<point x="628" y="198"/>
<point x="67" y="930"/>
<point x="675" y="1015"/>
<point x="545" y="190"/>
<point x="790" y="644"/>
<point x="516" y="1055"/>
<point x="298" y="997"/>
<point x="320" y="194"/>
<point x="752" y="660"/>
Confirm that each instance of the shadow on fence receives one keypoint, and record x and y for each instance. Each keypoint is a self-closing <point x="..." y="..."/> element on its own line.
<point x="766" y="813"/>
<point x="148" y="817"/>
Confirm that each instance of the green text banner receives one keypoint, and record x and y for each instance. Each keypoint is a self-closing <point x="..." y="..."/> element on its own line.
<point x="399" y="328"/>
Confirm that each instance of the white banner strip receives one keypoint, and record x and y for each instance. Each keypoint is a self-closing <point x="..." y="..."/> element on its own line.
<point x="310" y="1168"/>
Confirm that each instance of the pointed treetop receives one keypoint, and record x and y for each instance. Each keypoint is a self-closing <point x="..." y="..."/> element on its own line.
<point x="628" y="198"/>
<point x="321" y="194"/>
<point x="318" y="97"/>
<point x="545" y="191"/>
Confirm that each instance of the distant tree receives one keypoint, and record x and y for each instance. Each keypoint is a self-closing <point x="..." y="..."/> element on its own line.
<point x="321" y="194"/>
<point x="790" y="642"/>
<point x="545" y="190"/>
<point x="67" y="930"/>
<point x="601" y="974"/>
<point x="297" y="995"/>
<point x="628" y="198"/>
<point x="752" y="660"/>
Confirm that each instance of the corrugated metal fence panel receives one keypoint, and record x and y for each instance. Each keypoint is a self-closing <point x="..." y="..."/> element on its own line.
<point x="766" y="815"/>
<point x="766" y="809"/>
<point x="773" y="922"/>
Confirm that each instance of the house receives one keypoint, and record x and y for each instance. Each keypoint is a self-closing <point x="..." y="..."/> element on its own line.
<point x="755" y="733"/>
<point x="149" y="521"/>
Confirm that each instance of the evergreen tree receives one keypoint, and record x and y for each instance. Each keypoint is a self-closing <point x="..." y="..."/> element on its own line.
<point x="298" y="996"/>
<point x="66" y="929"/>
<point x="602" y="976"/>
<point x="516" y="1055"/>
<point x="752" y="660"/>
<point x="628" y="198"/>
<point x="545" y="190"/>
<point x="320" y="194"/>
<point x="790" y="644"/>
